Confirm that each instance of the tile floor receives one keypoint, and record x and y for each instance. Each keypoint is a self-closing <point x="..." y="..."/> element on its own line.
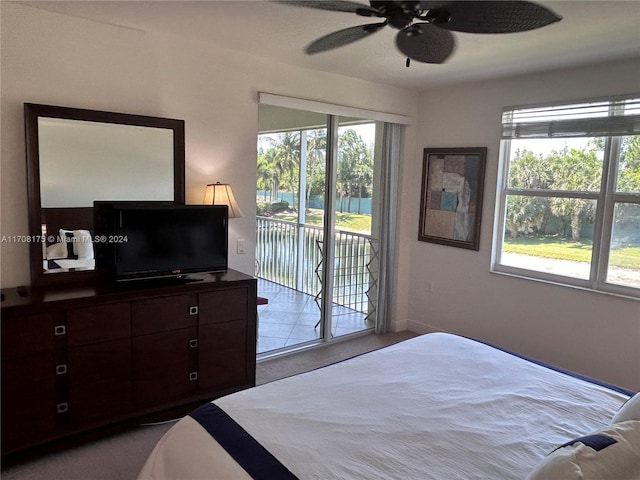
<point x="290" y="317"/>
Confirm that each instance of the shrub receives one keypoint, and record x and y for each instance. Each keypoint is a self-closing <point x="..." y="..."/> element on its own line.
<point x="276" y="207"/>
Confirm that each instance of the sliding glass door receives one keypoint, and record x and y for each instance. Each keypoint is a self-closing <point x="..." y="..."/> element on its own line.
<point x="317" y="189"/>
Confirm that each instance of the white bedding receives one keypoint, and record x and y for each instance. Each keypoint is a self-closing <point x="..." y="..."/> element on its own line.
<point x="70" y="263"/>
<point x="434" y="407"/>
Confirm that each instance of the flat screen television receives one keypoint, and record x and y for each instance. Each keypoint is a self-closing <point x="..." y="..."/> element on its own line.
<point x="160" y="240"/>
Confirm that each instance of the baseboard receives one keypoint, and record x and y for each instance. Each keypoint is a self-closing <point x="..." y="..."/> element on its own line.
<point x="422" y="328"/>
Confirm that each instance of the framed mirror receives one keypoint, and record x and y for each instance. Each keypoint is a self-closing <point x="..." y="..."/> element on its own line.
<point x="77" y="156"/>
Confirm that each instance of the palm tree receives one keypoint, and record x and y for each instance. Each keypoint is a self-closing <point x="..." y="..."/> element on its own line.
<point x="355" y="165"/>
<point x="316" y="158"/>
<point x="267" y="174"/>
<point x="287" y="159"/>
<point x="280" y="162"/>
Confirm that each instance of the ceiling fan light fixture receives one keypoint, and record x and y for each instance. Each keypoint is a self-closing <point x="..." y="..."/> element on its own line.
<point x="400" y="19"/>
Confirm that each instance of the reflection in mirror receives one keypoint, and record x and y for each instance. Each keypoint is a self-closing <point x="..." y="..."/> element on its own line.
<point x="68" y="244"/>
<point x="84" y="161"/>
<point x="77" y="156"/>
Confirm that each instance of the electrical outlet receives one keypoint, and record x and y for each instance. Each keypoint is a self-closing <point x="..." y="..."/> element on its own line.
<point x="240" y="246"/>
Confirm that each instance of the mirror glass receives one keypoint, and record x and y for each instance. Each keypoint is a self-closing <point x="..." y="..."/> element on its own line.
<point x="84" y="161"/>
<point x="77" y="156"/>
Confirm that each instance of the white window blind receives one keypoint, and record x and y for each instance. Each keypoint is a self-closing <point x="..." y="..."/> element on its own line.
<point x="619" y="116"/>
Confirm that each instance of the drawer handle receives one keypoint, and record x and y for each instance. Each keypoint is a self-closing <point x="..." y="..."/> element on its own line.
<point x="61" y="369"/>
<point x="193" y="376"/>
<point x="193" y="310"/>
<point x="59" y="330"/>
<point x="193" y="343"/>
<point x="62" y="407"/>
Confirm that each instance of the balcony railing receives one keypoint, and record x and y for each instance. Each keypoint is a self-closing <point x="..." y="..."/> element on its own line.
<point x="290" y="254"/>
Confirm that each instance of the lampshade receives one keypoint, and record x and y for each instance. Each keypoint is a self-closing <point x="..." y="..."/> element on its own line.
<point x="221" y="194"/>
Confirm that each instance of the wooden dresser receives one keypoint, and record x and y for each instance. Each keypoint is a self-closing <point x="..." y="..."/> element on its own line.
<point x="78" y="358"/>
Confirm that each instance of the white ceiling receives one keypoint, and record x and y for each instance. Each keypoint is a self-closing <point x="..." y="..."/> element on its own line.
<point x="589" y="31"/>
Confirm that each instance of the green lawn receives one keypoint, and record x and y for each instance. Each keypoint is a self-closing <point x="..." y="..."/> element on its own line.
<point x="351" y="222"/>
<point x="547" y="247"/>
<point x="565" y="249"/>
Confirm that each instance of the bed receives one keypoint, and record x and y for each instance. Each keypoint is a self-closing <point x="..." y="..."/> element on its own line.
<point x="68" y="239"/>
<point x="437" y="406"/>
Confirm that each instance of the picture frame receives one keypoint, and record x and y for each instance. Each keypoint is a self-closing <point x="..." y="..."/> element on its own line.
<point x="452" y="193"/>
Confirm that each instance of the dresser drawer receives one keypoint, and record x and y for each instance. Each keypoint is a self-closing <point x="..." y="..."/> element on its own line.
<point x="163" y="314"/>
<point x="164" y="365"/>
<point x="99" y="379"/>
<point x="27" y="335"/>
<point x="223" y="306"/>
<point x="100" y="323"/>
<point x="28" y="400"/>
<point x="223" y="348"/>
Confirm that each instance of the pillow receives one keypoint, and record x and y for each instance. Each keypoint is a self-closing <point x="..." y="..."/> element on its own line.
<point x="83" y="244"/>
<point x="66" y="237"/>
<point x="57" y="250"/>
<point x="612" y="452"/>
<point x="629" y="411"/>
<point x="79" y="243"/>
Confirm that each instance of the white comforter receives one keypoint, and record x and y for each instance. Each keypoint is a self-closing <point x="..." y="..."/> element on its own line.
<point x="436" y="407"/>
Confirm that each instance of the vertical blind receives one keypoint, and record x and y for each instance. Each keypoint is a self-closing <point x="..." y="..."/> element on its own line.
<point x="615" y="116"/>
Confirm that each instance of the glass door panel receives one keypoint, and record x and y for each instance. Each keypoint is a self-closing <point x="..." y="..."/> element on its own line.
<point x="291" y="168"/>
<point x="355" y="253"/>
<point x="317" y="179"/>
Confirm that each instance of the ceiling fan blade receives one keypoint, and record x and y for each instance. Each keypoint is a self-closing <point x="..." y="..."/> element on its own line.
<point x="333" y="5"/>
<point x="342" y="37"/>
<point x="425" y="42"/>
<point x="490" y="16"/>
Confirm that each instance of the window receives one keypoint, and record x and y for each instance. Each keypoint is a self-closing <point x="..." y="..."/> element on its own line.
<point x="568" y="206"/>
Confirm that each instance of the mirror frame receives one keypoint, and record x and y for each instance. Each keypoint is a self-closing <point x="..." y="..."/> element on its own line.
<point x="32" y="112"/>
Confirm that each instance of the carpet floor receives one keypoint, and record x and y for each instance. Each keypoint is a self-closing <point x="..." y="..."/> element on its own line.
<point x="121" y="456"/>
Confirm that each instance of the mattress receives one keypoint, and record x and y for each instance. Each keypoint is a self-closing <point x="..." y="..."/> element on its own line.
<point x="437" y="406"/>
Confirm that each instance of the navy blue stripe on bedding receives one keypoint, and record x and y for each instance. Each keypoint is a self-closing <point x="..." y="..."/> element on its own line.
<point x="610" y="386"/>
<point x="596" y="442"/>
<point x="245" y="450"/>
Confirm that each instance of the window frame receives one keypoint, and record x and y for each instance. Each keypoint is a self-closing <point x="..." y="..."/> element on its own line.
<point x="606" y="197"/>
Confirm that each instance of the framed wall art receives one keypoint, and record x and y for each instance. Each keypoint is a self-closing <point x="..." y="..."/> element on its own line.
<point x="451" y="202"/>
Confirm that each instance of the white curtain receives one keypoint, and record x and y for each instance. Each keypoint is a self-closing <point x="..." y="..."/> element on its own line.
<point x="388" y="225"/>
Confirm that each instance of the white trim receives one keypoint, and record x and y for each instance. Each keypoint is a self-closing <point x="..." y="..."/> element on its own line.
<point x="605" y="212"/>
<point x="580" y="101"/>
<point x="328" y="251"/>
<point x="331" y="109"/>
<point x="607" y="288"/>
<point x="500" y="216"/>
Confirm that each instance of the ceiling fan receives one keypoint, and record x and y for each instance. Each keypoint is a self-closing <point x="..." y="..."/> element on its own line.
<point x="429" y="39"/>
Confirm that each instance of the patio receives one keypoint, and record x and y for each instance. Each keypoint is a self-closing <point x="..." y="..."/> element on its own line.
<point x="290" y="318"/>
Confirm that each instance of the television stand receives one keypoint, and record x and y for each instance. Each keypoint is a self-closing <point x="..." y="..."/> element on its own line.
<point x="85" y="357"/>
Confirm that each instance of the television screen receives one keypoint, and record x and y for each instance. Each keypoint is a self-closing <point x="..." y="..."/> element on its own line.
<point x="159" y="240"/>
